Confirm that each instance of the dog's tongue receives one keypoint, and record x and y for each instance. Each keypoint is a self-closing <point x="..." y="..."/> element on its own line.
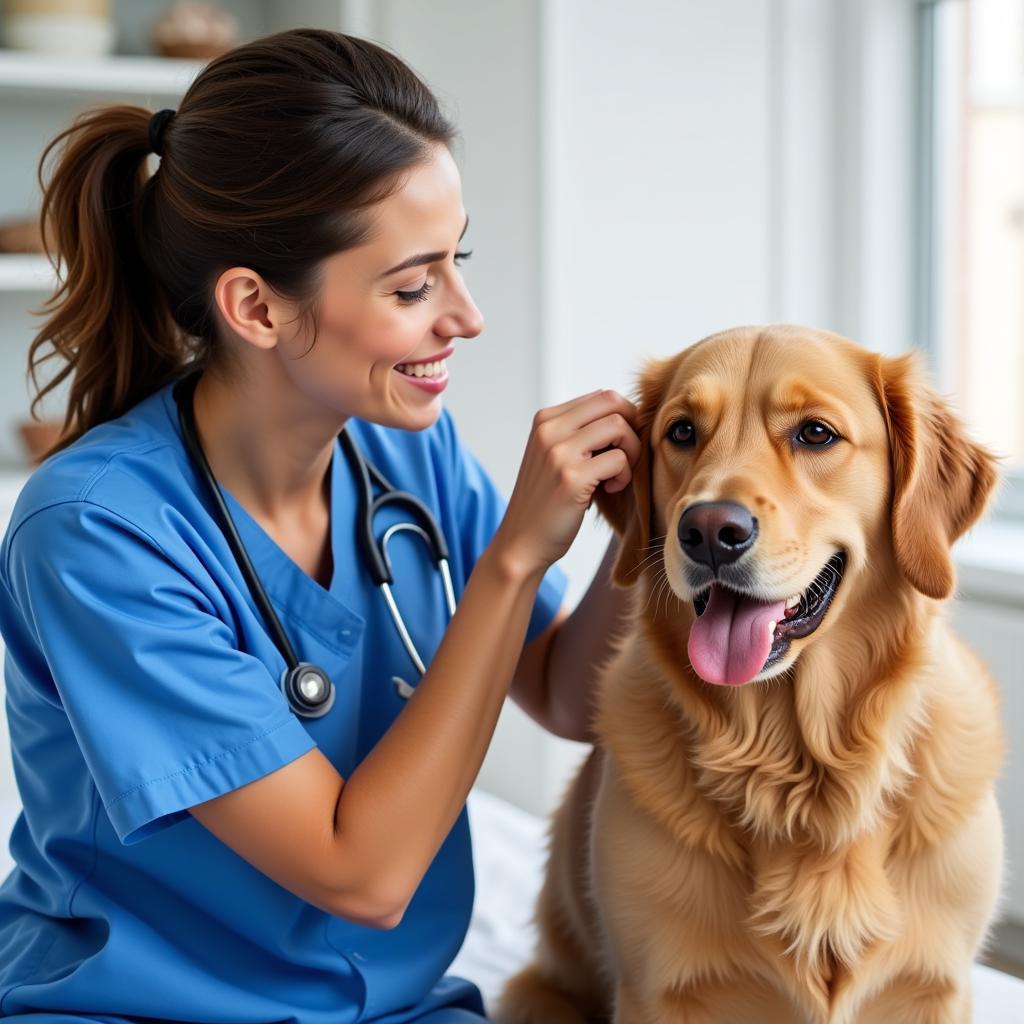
<point x="731" y="640"/>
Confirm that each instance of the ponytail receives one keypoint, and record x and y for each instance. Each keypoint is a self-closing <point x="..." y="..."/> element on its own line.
<point x="108" y="320"/>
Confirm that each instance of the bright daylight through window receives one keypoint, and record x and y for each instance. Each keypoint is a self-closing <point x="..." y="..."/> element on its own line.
<point x="974" y="217"/>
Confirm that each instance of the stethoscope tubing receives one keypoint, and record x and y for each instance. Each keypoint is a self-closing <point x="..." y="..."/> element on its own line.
<point x="375" y="555"/>
<point x="259" y="595"/>
<point x="385" y="589"/>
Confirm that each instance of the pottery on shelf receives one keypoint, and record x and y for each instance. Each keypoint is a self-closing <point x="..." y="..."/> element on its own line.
<point x="79" y="28"/>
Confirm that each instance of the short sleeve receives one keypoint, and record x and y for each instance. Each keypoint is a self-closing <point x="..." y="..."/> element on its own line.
<point x="480" y="507"/>
<point x="166" y="710"/>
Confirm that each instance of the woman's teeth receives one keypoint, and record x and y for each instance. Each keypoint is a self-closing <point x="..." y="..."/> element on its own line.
<point x="422" y="369"/>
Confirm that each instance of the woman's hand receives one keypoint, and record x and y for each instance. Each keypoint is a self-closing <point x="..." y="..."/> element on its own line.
<point x="573" y="448"/>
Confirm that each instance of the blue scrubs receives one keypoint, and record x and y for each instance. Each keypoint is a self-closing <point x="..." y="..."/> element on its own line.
<point x="141" y="680"/>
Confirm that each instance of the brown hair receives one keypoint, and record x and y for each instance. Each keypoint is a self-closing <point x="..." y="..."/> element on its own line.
<point x="275" y="151"/>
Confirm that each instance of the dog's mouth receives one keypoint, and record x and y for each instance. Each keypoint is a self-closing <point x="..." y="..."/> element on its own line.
<point x="736" y="637"/>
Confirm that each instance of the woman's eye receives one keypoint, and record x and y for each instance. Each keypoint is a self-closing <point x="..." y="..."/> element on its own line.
<point x="682" y="433"/>
<point x="417" y="296"/>
<point x="421" y="293"/>
<point x="816" y="434"/>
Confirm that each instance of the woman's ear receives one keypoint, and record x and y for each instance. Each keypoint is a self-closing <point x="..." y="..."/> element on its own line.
<point x="941" y="479"/>
<point x="629" y="510"/>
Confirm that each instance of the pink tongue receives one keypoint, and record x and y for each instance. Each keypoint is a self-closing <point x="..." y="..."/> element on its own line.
<point x="731" y="640"/>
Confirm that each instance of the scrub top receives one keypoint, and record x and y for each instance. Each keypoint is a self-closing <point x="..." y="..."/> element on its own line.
<point x="141" y="679"/>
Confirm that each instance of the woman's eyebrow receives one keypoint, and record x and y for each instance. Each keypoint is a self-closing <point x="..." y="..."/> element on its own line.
<point x="423" y="257"/>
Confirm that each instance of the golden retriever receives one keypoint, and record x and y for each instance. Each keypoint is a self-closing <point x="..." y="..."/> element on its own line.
<point x="789" y="817"/>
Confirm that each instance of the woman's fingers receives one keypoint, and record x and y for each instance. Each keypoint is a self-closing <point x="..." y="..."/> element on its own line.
<point x="614" y="430"/>
<point x="573" y="449"/>
<point x="608" y="466"/>
<point x="610" y="433"/>
<point x="559" y="421"/>
<point x="551" y="411"/>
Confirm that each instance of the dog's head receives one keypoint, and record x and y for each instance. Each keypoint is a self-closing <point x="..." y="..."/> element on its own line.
<point x="783" y="470"/>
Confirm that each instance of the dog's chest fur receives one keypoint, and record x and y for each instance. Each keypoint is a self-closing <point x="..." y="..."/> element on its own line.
<point x="806" y="843"/>
<point x="820" y="913"/>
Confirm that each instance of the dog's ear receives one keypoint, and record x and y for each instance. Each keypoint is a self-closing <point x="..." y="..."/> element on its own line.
<point x="629" y="510"/>
<point x="941" y="479"/>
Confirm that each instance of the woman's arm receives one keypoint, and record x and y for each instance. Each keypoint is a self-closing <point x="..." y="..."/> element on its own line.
<point x="554" y="680"/>
<point x="360" y="846"/>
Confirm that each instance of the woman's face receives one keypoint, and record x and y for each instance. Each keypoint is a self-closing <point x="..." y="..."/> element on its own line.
<point x="376" y="320"/>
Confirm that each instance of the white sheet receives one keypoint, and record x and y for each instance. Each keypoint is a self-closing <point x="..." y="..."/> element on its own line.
<point x="509" y="852"/>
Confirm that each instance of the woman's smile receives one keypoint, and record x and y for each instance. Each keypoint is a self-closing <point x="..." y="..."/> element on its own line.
<point x="429" y="374"/>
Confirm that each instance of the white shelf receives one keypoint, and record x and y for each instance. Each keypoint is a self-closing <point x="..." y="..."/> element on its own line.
<point x="49" y="74"/>
<point x="26" y="272"/>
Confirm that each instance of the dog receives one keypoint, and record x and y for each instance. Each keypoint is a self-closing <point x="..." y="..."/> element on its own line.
<point x="789" y="816"/>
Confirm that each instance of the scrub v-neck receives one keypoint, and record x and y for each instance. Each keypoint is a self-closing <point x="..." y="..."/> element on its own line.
<point x="305" y="605"/>
<point x="270" y="549"/>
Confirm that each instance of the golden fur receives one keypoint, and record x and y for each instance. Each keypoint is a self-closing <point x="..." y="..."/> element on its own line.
<point x="824" y="845"/>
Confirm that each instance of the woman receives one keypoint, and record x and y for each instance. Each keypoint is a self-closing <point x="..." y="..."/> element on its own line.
<point x="191" y="847"/>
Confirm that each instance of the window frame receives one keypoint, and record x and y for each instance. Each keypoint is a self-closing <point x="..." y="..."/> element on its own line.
<point x="1008" y="504"/>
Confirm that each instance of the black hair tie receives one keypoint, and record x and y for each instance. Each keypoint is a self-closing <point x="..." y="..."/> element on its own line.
<point x="157" y="125"/>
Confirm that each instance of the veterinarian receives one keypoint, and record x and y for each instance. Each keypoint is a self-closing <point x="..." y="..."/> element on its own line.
<point x="248" y="810"/>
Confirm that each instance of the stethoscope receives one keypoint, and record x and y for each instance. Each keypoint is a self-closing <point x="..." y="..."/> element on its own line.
<point x="307" y="687"/>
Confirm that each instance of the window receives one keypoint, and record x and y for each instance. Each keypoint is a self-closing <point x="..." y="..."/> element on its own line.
<point x="972" y="297"/>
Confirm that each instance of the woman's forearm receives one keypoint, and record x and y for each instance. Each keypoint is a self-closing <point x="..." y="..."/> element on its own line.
<point x="579" y="649"/>
<point x="400" y="803"/>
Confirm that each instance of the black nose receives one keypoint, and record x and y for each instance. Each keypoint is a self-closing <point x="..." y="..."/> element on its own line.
<point x="716" y="532"/>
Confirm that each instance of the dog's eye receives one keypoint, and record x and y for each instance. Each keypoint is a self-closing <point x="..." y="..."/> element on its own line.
<point x="815" y="434"/>
<point x="682" y="433"/>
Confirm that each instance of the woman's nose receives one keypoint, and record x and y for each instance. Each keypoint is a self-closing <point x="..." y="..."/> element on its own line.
<point x="473" y="322"/>
<point x="464" y="320"/>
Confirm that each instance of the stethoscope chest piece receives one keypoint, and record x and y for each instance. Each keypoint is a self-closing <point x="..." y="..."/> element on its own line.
<point x="308" y="689"/>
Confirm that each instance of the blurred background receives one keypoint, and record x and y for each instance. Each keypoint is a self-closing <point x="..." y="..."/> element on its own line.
<point x="639" y="175"/>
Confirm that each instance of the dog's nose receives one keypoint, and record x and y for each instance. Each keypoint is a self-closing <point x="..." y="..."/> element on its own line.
<point x="716" y="532"/>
